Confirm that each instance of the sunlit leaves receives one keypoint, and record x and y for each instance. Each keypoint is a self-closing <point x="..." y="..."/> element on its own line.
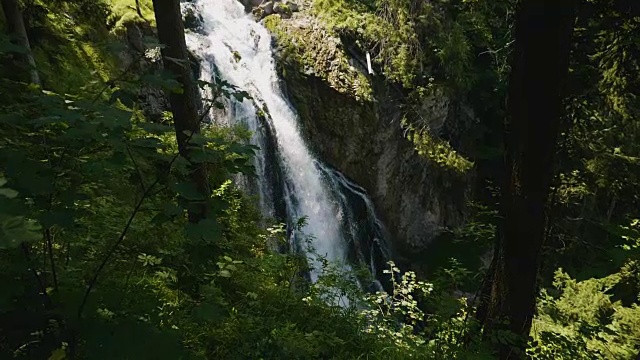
<point x="149" y="260"/>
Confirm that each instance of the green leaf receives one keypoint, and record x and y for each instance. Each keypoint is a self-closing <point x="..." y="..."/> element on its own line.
<point x="15" y="230"/>
<point x="241" y="95"/>
<point x="164" y="82"/>
<point x="201" y="155"/>
<point x="131" y="339"/>
<point x="188" y="191"/>
<point x="156" y="128"/>
<point x="58" y="354"/>
<point x="126" y="98"/>
<point x="9" y="193"/>
<point x="148" y="142"/>
<point x="172" y="210"/>
<point x="62" y="218"/>
<point x="207" y="229"/>
<point x="198" y="139"/>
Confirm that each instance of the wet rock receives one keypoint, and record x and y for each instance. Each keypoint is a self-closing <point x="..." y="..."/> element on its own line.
<point x="250" y="4"/>
<point x="191" y="17"/>
<point x="293" y="6"/>
<point x="357" y="131"/>
<point x="263" y="8"/>
<point x="152" y="100"/>
<point x="282" y="9"/>
<point x="267" y="8"/>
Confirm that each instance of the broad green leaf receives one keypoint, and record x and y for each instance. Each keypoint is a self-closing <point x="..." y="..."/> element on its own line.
<point x="205" y="156"/>
<point x="156" y="128"/>
<point x="58" y="354"/>
<point x="9" y="193"/>
<point x="172" y="210"/>
<point x="126" y="98"/>
<point x="148" y="142"/>
<point x="207" y="229"/>
<point x="62" y="218"/>
<point x="188" y="191"/>
<point x="15" y="230"/>
<point x="164" y="82"/>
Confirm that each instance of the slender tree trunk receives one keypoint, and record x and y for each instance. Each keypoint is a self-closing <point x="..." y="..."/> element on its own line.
<point x="184" y="105"/>
<point x="539" y="70"/>
<point x="612" y="206"/>
<point x="16" y="28"/>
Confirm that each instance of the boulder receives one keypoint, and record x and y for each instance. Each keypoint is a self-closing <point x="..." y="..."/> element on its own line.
<point x="282" y="9"/>
<point x="267" y="8"/>
<point x="293" y="6"/>
<point x="251" y="4"/>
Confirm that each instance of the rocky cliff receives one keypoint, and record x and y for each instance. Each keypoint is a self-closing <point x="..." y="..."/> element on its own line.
<point x="352" y="121"/>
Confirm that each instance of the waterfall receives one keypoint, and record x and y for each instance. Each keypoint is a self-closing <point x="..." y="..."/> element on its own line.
<point x="292" y="183"/>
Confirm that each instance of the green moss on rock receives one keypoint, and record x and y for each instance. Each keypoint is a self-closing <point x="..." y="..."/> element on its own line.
<point x="306" y="44"/>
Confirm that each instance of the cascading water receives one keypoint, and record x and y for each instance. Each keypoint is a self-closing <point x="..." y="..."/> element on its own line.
<point x="291" y="182"/>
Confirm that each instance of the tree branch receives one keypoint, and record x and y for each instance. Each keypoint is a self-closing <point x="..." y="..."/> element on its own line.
<point x="135" y="164"/>
<point x="49" y="239"/>
<point x="121" y="238"/>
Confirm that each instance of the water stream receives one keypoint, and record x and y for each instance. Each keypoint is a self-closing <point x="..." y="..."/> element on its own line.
<point x="292" y="183"/>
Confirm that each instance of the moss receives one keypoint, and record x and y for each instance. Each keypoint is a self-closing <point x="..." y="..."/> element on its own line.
<point x="124" y="12"/>
<point x="69" y="40"/>
<point x="437" y="150"/>
<point x="309" y="46"/>
<point x="285" y="9"/>
<point x="72" y="52"/>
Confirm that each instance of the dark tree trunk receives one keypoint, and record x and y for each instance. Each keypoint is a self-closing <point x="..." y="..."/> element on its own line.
<point x="539" y="71"/>
<point x="16" y="29"/>
<point x="184" y="105"/>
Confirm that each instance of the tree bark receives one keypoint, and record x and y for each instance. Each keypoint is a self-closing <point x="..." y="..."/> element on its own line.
<point x="16" y="28"/>
<point x="539" y="70"/>
<point x="184" y="104"/>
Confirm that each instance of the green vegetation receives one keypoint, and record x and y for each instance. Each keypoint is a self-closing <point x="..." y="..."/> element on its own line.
<point x="100" y="261"/>
<point x="583" y="322"/>
<point x="424" y="46"/>
<point x="125" y="12"/>
<point x="317" y="51"/>
<point x="437" y="150"/>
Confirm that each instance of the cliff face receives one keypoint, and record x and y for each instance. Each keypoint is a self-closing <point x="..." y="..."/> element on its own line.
<point x="352" y="121"/>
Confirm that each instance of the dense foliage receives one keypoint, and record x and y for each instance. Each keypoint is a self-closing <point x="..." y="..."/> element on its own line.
<point x="98" y="259"/>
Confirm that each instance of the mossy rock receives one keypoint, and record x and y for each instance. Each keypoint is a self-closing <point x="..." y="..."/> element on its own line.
<point x="305" y="44"/>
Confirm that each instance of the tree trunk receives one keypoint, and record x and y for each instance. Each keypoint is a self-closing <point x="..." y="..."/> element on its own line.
<point x="16" y="29"/>
<point x="539" y="69"/>
<point x="184" y="105"/>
